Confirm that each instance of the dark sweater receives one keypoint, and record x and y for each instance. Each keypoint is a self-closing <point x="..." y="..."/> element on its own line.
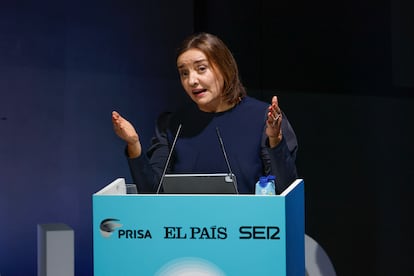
<point x="198" y="149"/>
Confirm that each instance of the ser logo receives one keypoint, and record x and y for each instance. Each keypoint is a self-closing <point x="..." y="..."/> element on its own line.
<point x="254" y="232"/>
<point x="108" y="226"/>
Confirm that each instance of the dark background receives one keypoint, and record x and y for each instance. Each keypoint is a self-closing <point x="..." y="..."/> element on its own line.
<point x="343" y="71"/>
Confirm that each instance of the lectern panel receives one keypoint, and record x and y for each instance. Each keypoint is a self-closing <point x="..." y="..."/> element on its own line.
<point x="196" y="234"/>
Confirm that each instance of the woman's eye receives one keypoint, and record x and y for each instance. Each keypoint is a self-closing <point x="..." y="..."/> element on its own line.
<point x="183" y="73"/>
<point x="202" y="68"/>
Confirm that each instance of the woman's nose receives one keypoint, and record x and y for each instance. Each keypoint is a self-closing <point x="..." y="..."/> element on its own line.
<point x="193" y="80"/>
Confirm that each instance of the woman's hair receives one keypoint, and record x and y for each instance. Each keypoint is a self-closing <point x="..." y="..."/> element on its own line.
<point x="221" y="59"/>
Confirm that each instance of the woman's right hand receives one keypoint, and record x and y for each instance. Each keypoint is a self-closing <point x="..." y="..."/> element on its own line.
<point x="126" y="131"/>
<point x="274" y="123"/>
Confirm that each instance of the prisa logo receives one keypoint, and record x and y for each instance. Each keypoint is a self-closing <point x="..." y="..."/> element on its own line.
<point x="108" y="226"/>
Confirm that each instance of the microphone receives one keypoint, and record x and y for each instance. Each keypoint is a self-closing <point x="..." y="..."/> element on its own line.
<point x="168" y="158"/>
<point x="232" y="176"/>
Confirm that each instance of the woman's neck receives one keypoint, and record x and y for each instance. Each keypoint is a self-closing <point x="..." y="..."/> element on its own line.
<point x="217" y="108"/>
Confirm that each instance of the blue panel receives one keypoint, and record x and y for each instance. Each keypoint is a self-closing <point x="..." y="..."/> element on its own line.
<point x="227" y="234"/>
<point x="295" y="225"/>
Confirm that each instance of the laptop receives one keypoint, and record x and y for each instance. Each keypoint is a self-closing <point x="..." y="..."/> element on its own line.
<point x="217" y="183"/>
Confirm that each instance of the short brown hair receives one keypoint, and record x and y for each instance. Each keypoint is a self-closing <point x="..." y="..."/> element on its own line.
<point x="221" y="58"/>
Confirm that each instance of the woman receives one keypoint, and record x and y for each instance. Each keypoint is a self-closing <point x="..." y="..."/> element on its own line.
<point x="258" y="138"/>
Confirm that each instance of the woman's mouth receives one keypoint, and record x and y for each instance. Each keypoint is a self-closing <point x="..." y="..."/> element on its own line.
<point x="198" y="91"/>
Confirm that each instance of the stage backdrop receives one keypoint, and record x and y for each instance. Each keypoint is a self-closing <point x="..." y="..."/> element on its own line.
<point x="337" y="68"/>
<point x="64" y="66"/>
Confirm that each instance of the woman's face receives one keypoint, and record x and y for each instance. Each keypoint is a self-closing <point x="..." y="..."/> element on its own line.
<point x="200" y="81"/>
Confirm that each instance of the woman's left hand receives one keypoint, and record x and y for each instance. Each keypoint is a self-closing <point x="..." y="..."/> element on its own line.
<point x="274" y="123"/>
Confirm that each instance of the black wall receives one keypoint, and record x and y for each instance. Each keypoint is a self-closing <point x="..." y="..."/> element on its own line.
<point x="347" y="47"/>
<point x="343" y="73"/>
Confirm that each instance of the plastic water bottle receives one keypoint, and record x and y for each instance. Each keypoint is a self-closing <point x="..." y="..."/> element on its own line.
<point x="266" y="185"/>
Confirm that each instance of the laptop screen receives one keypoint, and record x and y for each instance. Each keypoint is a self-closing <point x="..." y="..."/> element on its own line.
<point x="219" y="183"/>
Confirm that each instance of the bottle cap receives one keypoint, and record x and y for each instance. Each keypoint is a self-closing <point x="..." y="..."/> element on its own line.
<point x="263" y="181"/>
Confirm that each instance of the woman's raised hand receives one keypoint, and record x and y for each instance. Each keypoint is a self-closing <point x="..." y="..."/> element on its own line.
<point x="126" y="131"/>
<point x="274" y="123"/>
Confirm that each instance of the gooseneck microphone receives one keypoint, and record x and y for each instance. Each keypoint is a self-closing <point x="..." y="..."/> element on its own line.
<point x="223" y="150"/>
<point x="232" y="176"/>
<point x="168" y="159"/>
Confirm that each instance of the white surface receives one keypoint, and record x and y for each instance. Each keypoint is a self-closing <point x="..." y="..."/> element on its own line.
<point x="116" y="187"/>
<point x="317" y="262"/>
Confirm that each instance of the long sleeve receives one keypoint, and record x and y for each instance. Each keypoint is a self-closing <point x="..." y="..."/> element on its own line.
<point x="146" y="170"/>
<point x="198" y="149"/>
<point x="142" y="174"/>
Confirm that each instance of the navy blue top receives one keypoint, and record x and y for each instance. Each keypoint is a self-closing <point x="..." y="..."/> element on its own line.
<point x="198" y="149"/>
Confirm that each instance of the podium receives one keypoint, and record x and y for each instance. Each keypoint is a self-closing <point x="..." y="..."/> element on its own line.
<point x="149" y="234"/>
